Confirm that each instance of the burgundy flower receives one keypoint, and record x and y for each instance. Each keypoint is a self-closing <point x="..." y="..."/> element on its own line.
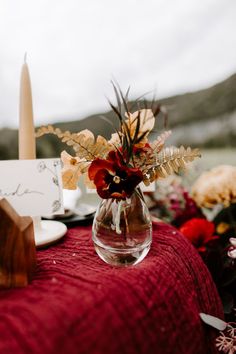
<point x="184" y="209"/>
<point x="200" y="232"/>
<point x="112" y="178"/>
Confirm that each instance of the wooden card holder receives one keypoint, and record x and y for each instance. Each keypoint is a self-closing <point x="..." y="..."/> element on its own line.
<point x="17" y="247"/>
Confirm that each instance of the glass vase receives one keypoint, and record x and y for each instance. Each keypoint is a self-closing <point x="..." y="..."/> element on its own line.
<point x="122" y="230"/>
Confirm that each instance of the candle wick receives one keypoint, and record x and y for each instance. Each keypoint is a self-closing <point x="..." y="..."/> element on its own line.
<point x="25" y="57"/>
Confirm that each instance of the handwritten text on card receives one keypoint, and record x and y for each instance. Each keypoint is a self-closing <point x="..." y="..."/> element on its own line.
<point x="33" y="187"/>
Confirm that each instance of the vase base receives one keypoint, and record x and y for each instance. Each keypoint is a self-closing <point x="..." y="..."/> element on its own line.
<point x="122" y="258"/>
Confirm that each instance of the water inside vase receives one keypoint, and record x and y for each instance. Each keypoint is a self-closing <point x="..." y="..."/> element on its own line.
<point x="122" y="231"/>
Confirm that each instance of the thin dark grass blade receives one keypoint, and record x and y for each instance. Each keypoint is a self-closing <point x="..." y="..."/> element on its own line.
<point x="124" y="101"/>
<point x="127" y="94"/>
<point x="137" y="128"/>
<point x="116" y="111"/>
<point x="127" y="131"/>
<point x="157" y="110"/>
<point x="117" y="96"/>
<point x="120" y="136"/>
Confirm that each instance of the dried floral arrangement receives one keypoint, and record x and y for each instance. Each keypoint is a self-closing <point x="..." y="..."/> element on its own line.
<point x="115" y="167"/>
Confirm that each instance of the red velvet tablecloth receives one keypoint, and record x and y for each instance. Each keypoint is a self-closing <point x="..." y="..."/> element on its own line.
<point x="78" y="304"/>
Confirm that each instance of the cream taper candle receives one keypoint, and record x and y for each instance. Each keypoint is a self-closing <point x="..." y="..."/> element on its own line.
<point x="27" y="147"/>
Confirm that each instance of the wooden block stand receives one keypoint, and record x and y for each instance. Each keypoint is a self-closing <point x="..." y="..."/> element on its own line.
<point x="17" y="247"/>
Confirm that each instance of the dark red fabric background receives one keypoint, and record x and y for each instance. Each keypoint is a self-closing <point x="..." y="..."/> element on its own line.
<point x="78" y="304"/>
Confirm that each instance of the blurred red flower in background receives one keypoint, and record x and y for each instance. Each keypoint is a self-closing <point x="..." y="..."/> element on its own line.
<point x="112" y="178"/>
<point x="184" y="207"/>
<point x="200" y="232"/>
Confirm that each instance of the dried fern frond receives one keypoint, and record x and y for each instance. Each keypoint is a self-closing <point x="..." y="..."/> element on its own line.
<point x="158" y="144"/>
<point x="148" y="156"/>
<point x="83" y="143"/>
<point x="169" y="160"/>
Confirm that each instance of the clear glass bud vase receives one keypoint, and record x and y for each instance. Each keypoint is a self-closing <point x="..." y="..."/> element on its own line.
<point x="122" y="230"/>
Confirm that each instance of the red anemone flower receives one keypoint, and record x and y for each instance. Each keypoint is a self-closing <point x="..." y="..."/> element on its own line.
<point x="113" y="179"/>
<point x="200" y="232"/>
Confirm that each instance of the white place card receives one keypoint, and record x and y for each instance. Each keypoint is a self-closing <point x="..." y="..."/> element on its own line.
<point x="32" y="187"/>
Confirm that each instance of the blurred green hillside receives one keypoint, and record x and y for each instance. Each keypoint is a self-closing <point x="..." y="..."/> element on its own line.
<point x="206" y="118"/>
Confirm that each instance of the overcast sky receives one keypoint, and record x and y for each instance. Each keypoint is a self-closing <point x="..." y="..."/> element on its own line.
<point x="75" y="47"/>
